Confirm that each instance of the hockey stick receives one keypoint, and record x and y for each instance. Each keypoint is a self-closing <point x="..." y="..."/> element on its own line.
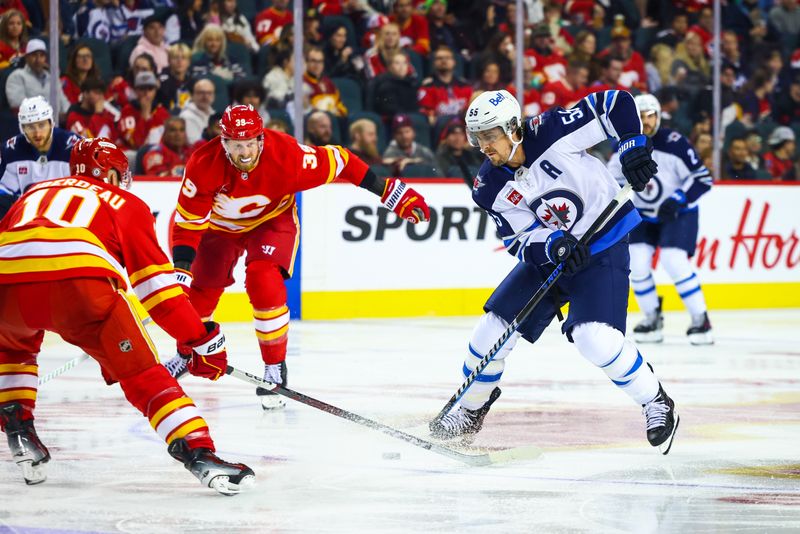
<point x="533" y="302"/>
<point x="475" y="460"/>
<point x="74" y="362"/>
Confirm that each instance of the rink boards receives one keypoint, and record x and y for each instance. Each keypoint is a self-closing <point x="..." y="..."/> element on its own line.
<point x="358" y="260"/>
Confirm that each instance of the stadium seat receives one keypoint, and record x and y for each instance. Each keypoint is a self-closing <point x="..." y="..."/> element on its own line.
<point x="248" y="8"/>
<point x="3" y="99"/>
<point x="420" y="170"/>
<point x="421" y="127"/>
<point x="138" y="165"/>
<point x="262" y="62"/>
<point x="239" y="53"/>
<point x="376" y="119"/>
<point x="9" y="127"/>
<point x="382" y="171"/>
<point x="416" y="61"/>
<point x="222" y="97"/>
<point x="439" y="126"/>
<point x="456" y="172"/>
<point x="334" y="20"/>
<point x="122" y="54"/>
<point x="351" y="94"/>
<point x="283" y="115"/>
<point x="102" y="55"/>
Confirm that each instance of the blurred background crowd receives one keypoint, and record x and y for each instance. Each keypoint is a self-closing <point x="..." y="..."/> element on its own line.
<point x="391" y="79"/>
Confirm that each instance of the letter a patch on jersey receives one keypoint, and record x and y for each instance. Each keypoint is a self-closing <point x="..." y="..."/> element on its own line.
<point x="514" y="196"/>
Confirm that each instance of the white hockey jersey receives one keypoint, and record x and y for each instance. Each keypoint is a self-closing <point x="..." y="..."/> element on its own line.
<point x="22" y="165"/>
<point x="679" y="168"/>
<point x="560" y="186"/>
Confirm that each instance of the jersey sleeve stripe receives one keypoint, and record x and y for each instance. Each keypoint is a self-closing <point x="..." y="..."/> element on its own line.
<point x="154" y="299"/>
<point x="331" y="165"/>
<point x="600" y="118"/>
<point x="150" y="270"/>
<point x="153" y="284"/>
<point x="43" y="234"/>
<point x="337" y="155"/>
<point x="188" y="216"/>
<point x="19" y="257"/>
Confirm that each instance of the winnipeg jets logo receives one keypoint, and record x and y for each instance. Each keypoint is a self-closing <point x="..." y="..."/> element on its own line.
<point x="652" y="191"/>
<point x="558" y="209"/>
<point x="557" y="216"/>
<point x="477" y="183"/>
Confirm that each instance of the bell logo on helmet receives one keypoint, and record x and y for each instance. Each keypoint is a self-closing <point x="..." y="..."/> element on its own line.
<point x="497" y="99"/>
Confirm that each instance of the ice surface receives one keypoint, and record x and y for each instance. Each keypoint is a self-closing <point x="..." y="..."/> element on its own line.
<point x="734" y="466"/>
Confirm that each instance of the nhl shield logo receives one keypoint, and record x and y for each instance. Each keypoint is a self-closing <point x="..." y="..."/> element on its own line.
<point x="558" y="209"/>
<point x="125" y="345"/>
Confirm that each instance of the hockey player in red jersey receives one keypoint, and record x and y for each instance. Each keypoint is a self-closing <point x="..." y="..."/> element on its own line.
<point x="64" y="249"/>
<point x="238" y="196"/>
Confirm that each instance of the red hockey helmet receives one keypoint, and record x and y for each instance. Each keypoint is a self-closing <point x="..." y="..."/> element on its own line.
<point x="93" y="158"/>
<point x="241" y="122"/>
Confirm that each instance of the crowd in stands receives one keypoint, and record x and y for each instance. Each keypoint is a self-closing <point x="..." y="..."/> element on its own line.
<point x="392" y="78"/>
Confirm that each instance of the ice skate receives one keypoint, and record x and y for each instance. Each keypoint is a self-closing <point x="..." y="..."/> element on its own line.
<point x="662" y="421"/>
<point x="700" y="331"/>
<point x="224" y="477"/>
<point x="462" y="423"/>
<point x="177" y="366"/>
<point x="26" y="449"/>
<point x="276" y="374"/>
<point x="650" y="330"/>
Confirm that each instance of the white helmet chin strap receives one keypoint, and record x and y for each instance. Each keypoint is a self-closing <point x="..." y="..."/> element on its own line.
<point x="514" y="145"/>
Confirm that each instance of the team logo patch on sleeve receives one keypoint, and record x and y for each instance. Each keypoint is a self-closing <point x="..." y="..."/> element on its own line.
<point x="514" y="197"/>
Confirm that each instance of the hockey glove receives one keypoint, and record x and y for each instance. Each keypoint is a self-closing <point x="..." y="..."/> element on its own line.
<point x="183" y="272"/>
<point x="637" y="165"/>
<point x="404" y="201"/>
<point x="209" y="357"/>
<point x="671" y="207"/>
<point x="562" y="247"/>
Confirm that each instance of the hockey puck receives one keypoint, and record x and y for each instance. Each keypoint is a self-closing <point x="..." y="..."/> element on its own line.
<point x="391" y="455"/>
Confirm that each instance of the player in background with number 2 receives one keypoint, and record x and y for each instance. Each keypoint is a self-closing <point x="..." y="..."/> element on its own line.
<point x="543" y="192"/>
<point x="65" y="247"/>
<point x="238" y="196"/>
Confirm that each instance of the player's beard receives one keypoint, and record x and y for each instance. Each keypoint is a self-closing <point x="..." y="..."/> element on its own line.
<point x="44" y="146"/>
<point x="247" y="167"/>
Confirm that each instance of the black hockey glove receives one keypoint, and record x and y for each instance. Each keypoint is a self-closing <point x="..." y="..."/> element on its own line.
<point x="562" y="247"/>
<point x="182" y="258"/>
<point x="637" y="165"/>
<point x="671" y="207"/>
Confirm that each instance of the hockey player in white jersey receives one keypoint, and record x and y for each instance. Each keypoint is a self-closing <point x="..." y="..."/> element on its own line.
<point x="668" y="207"/>
<point x="40" y="152"/>
<point x="544" y="191"/>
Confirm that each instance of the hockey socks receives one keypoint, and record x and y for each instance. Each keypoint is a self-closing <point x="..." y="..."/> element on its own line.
<point x="486" y="333"/>
<point x="267" y="292"/>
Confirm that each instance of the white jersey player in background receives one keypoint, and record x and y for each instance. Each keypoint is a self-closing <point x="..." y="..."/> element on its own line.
<point x="544" y="191"/>
<point x="668" y="207"/>
<point x="40" y="152"/>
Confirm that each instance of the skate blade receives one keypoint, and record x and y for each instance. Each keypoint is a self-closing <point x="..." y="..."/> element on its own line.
<point x="33" y="474"/>
<point x="665" y="447"/>
<point x="651" y="337"/>
<point x="222" y="484"/>
<point x="701" y="339"/>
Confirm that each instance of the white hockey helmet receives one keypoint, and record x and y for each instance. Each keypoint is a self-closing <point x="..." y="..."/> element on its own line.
<point x="647" y="103"/>
<point x="490" y="110"/>
<point x="34" y="109"/>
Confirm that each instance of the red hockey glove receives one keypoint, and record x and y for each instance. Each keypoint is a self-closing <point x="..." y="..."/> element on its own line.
<point x="404" y="201"/>
<point x="209" y="357"/>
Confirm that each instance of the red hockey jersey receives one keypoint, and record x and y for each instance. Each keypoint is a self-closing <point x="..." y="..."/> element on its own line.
<point x="75" y="227"/>
<point x="269" y="24"/>
<point x="134" y="131"/>
<point x="217" y="195"/>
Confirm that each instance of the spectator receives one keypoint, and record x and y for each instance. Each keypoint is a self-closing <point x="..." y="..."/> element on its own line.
<point x="633" y="74"/>
<point x="454" y="151"/>
<point x="199" y="109"/>
<point x="489" y="79"/>
<point x="440" y="31"/>
<point x="319" y="92"/>
<point x="413" y="27"/>
<point x="250" y="92"/>
<point x="311" y="34"/>
<point x="584" y="51"/>
<point x="779" y="161"/>
<point x="285" y="44"/>
<point x="562" y="39"/>
<point x="395" y="91"/>
<point x="502" y="52"/>
<point x="211" y="45"/>
<point x="542" y="58"/>
<point x="736" y="167"/>
<point x="568" y="91"/>
<point x="319" y="129"/>
<point x="270" y="22"/>
<point x="191" y="19"/>
<point x="732" y="56"/>
<point x="13" y="37"/>
<point x="15" y="5"/>
<point x="279" y="81"/>
<point x="80" y="67"/>
<point x="403" y="149"/>
<point x="279" y="125"/>
<point x="210" y="131"/>
<point x="340" y="61"/>
<point x="659" y="66"/>
<point x="787" y="108"/>
<point x="704" y="29"/>
<point x="175" y="80"/>
<point x="235" y="25"/>
<point x="443" y="94"/>
<point x="364" y="141"/>
<point x="152" y="42"/>
<point x="120" y="91"/>
<point x="756" y="98"/>
<point x="668" y="98"/>
<point x="33" y="79"/>
<point x="754" y="148"/>
<point x="785" y="16"/>
<point x="169" y="157"/>
<point x="676" y="32"/>
<point x="691" y="69"/>
<point x="142" y="120"/>
<point x="610" y="71"/>
<point x="387" y="44"/>
<point x="89" y="117"/>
